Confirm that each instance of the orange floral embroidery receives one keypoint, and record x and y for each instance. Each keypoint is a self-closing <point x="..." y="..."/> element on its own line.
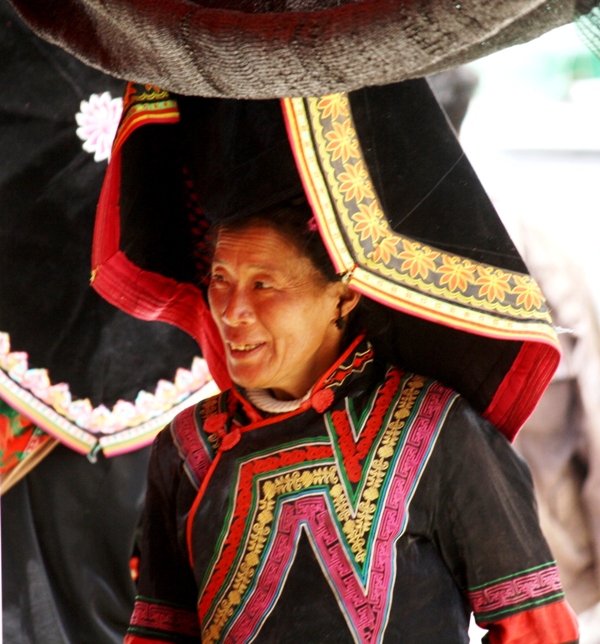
<point x="333" y="106"/>
<point x="418" y="260"/>
<point x="456" y="274"/>
<point x="494" y="284"/>
<point x="369" y="222"/>
<point x="355" y="183"/>
<point x="528" y="293"/>
<point x="342" y="142"/>
<point x="385" y="249"/>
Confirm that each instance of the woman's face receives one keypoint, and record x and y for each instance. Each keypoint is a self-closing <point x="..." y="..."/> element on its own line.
<point x="275" y="313"/>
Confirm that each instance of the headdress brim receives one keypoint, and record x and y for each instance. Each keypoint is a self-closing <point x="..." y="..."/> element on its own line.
<point x="399" y="208"/>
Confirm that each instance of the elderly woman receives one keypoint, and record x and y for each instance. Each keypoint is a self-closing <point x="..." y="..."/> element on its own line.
<point x="330" y="493"/>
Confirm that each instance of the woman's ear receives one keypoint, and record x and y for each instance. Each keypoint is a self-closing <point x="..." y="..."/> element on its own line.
<point x="348" y="300"/>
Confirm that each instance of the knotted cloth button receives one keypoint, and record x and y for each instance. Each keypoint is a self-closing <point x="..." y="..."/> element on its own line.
<point x="230" y="440"/>
<point x="215" y="423"/>
<point x="322" y="400"/>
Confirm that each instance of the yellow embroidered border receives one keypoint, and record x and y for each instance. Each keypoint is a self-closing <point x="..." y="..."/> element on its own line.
<point x="144" y="104"/>
<point x="399" y="271"/>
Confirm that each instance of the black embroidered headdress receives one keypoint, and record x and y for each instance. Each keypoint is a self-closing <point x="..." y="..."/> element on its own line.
<point x="398" y="206"/>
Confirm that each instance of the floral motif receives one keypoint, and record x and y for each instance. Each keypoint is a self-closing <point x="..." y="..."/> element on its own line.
<point x="342" y="142"/>
<point x="333" y="106"/>
<point x="98" y="121"/>
<point x="528" y="292"/>
<point x="362" y="233"/>
<point x="418" y="260"/>
<point x="101" y="420"/>
<point x="369" y="222"/>
<point x="494" y="283"/>
<point x="385" y="249"/>
<point x="455" y="273"/>
<point x="354" y="183"/>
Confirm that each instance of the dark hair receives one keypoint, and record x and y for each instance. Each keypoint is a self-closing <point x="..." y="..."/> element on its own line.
<point x="294" y="220"/>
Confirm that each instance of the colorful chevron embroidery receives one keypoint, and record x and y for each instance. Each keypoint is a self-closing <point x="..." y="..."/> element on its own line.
<point x="349" y="490"/>
<point x="360" y="360"/>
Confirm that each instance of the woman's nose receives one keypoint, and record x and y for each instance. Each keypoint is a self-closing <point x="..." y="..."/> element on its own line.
<point x="238" y="308"/>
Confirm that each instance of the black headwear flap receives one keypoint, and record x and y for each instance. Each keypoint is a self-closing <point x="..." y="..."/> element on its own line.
<point x="399" y="208"/>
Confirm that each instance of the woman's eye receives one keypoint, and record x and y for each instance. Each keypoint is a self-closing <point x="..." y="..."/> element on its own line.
<point x="216" y="277"/>
<point x="261" y="285"/>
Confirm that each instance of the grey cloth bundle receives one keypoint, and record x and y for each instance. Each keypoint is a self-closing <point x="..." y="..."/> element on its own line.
<point x="272" y="48"/>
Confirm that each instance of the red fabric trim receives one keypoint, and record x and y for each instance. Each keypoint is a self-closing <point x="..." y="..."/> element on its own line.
<point x="136" y="639"/>
<point x="107" y="228"/>
<point x="552" y="624"/>
<point x="147" y="295"/>
<point x="133" y="121"/>
<point x="161" y="617"/>
<point x="353" y="451"/>
<point x="150" y="296"/>
<point x="522" y="387"/>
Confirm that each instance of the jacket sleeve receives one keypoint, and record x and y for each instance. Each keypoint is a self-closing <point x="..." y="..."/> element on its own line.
<point x="165" y="609"/>
<point x="489" y="536"/>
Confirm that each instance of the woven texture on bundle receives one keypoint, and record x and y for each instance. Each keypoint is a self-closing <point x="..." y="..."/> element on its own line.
<point x="274" y="48"/>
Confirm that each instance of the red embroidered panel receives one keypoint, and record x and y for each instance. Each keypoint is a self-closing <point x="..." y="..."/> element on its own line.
<point x="151" y="619"/>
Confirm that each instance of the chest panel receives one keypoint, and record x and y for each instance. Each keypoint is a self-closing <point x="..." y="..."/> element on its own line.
<point x="348" y="488"/>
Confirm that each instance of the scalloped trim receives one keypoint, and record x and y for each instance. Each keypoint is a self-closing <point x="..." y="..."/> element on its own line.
<point x="80" y="425"/>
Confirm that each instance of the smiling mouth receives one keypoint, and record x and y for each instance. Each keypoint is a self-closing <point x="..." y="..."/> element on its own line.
<point x="244" y="348"/>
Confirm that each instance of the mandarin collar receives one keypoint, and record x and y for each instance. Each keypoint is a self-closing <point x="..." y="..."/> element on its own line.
<point x="333" y="384"/>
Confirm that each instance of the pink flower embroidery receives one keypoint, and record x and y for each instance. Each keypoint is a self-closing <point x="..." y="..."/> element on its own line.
<point x="98" y="121"/>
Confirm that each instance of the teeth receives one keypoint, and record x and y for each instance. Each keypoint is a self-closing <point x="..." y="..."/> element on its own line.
<point x="243" y="347"/>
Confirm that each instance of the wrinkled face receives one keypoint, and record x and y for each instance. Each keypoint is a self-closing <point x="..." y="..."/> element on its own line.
<point x="275" y="313"/>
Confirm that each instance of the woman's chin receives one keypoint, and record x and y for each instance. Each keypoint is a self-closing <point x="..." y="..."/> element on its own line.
<point x="248" y="378"/>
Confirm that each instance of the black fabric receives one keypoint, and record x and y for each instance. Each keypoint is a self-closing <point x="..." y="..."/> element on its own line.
<point x="426" y="185"/>
<point x="327" y="625"/>
<point x="472" y="521"/>
<point x="442" y="352"/>
<point x="173" y="578"/>
<point x="241" y="162"/>
<point x="68" y="533"/>
<point x="240" y="156"/>
<point x="49" y="189"/>
<point x="155" y="233"/>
